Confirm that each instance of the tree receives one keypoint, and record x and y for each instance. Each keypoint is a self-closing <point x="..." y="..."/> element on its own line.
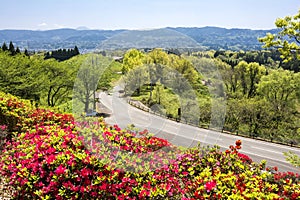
<point x="280" y="87"/>
<point x="133" y="58"/>
<point x="62" y="54"/>
<point x="58" y="81"/>
<point x="76" y="51"/>
<point x="4" y="47"/>
<point x="229" y="77"/>
<point x="26" y="52"/>
<point x="12" y="48"/>
<point x="18" y="50"/>
<point x="280" y="90"/>
<point x="135" y="79"/>
<point x="21" y="76"/>
<point x="244" y="77"/>
<point x="255" y="72"/>
<point x="287" y="40"/>
<point x="86" y="82"/>
<point x="157" y="56"/>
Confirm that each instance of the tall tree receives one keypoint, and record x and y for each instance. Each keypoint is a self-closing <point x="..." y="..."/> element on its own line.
<point x="12" y="48"/>
<point x="86" y="82"/>
<point x="280" y="89"/>
<point x="249" y="75"/>
<point x="17" y="50"/>
<point x="76" y="51"/>
<point x="26" y="52"/>
<point x="4" y="47"/>
<point x="58" y="81"/>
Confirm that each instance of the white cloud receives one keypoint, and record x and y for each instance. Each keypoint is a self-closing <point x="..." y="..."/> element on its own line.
<point x="42" y="24"/>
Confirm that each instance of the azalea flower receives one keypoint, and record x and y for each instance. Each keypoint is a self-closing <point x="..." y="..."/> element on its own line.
<point x="51" y="159"/>
<point x="60" y="170"/>
<point x="210" y="185"/>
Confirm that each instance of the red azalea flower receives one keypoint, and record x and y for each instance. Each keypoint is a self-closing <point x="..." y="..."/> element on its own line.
<point x="60" y="170"/>
<point x="244" y="157"/>
<point x="117" y="128"/>
<point x="85" y="172"/>
<point x="103" y="186"/>
<point x="51" y="150"/>
<point x="51" y="159"/>
<point x="210" y="185"/>
<point x="238" y="143"/>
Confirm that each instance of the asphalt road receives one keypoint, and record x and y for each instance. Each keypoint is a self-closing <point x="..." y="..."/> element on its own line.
<point x="185" y="135"/>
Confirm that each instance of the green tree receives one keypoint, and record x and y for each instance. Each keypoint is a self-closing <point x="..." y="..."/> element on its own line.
<point x="17" y="50"/>
<point x="249" y="75"/>
<point x="280" y="89"/>
<point x="76" y="51"/>
<point x="12" y="48"/>
<point x="26" y="52"/>
<point x="133" y="58"/>
<point x="135" y="79"/>
<point x="229" y="77"/>
<point x="287" y="40"/>
<point x="91" y="67"/>
<point x="157" y="56"/>
<point x="20" y="76"/>
<point x="58" y="81"/>
<point x="4" y="47"/>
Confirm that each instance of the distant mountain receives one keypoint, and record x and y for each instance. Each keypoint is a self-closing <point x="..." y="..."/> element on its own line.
<point x="156" y="38"/>
<point x="55" y="39"/>
<point x="82" y="28"/>
<point x="228" y="39"/>
<point x="89" y="40"/>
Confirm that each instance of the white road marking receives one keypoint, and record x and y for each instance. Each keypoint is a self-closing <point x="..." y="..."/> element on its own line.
<point x="267" y="150"/>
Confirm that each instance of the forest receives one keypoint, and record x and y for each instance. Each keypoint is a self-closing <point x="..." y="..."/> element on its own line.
<point x="262" y="95"/>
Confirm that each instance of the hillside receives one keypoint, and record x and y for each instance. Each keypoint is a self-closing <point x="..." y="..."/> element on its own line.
<point x="88" y="40"/>
<point x="157" y="38"/>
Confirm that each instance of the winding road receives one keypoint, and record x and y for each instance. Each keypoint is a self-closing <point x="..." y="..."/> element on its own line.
<point x="185" y="135"/>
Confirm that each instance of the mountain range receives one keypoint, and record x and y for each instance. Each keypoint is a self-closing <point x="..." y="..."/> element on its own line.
<point x="181" y="37"/>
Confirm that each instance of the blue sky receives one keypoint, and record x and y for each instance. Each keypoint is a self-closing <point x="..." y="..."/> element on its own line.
<point x="143" y="14"/>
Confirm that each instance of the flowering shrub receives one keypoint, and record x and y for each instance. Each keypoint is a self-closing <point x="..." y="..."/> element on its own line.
<point x="19" y="115"/>
<point x="244" y="181"/>
<point x="52" y="156"/>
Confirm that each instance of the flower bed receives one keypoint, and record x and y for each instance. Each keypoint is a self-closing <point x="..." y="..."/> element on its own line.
<point x="48" y="155"/>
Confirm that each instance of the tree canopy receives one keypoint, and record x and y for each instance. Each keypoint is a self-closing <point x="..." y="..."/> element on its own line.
<point x="287" y="40"/>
